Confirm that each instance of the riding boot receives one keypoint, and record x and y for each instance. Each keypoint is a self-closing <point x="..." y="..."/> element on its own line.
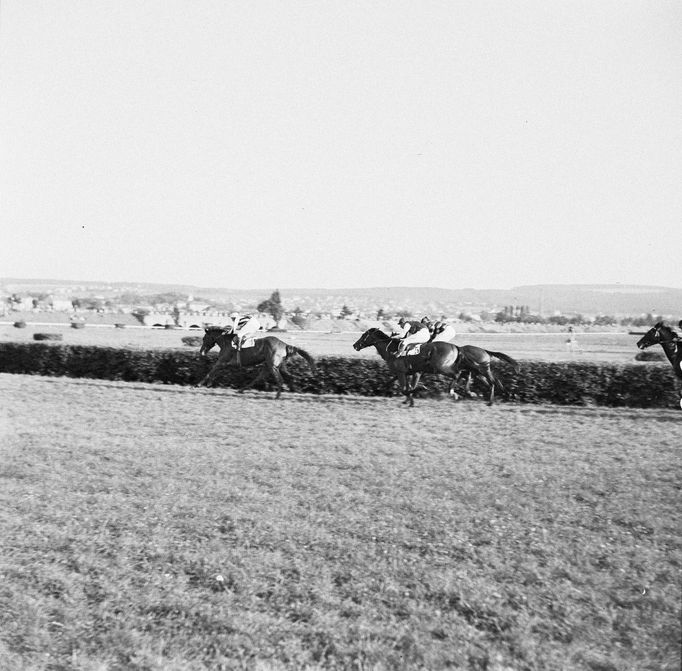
<point x="239" y="354"/>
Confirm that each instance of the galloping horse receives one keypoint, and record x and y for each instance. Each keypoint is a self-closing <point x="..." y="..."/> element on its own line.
<point x="269" y="351"/>
<point x="434" y="357"/>
<point x="408" y="369"/>
<point x="476" y="362"/>
<point x="662" y="335"/>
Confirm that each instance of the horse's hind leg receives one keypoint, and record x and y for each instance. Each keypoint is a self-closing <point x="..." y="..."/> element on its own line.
<point x="258" y="378"/>
<point x="488" y="376"/>
<point x="286" y="376"/>
<point x="207" y="380"/>
<point x="278" y="379"/>
<point x="454" y="390"/>
<point x="405" y="388"/>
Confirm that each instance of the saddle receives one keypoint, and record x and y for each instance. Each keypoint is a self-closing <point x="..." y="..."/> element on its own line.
<point x="412" y="349"/>
<point x="249" y="342"/>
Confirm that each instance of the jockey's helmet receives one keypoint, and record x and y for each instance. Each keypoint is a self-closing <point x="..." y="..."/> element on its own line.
<point x="401" y="321"/>
<point x="426" y="320"/>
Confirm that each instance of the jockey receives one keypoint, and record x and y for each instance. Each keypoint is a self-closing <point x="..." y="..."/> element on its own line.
<point x="443" y="332"/>
<point x="411" y="332"/>
<point x="244" y="327"/>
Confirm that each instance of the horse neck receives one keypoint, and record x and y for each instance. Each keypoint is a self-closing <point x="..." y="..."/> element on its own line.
<point x="382" y="348"/>
<point x="672" y="350"/>
<point x="223" y="341"/>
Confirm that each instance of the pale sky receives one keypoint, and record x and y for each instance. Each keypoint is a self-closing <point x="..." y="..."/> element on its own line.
<point x="341" y="144"/>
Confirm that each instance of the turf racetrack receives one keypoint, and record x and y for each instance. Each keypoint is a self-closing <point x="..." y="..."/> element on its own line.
<point x="160" y="527"/>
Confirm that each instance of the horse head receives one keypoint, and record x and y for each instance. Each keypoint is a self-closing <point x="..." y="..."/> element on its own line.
<point x="212" y="337"/>
<point x="658" y="334"/>
<point x="368" y="338"/>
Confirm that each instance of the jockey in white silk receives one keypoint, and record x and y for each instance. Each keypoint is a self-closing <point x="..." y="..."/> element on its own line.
<point x="244" y="328"/>
<point x="411" y="333"/>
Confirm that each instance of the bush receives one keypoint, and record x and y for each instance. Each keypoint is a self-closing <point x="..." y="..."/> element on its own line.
<point x="77" y="325"/>
<point x="21" y="324"/>
<point x="650" y="355"/>
<point x="570" y="383"/>
<point x="48" y="336"/>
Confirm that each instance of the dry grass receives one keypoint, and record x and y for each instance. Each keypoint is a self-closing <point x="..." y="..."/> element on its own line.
<point x="155" y="527"/>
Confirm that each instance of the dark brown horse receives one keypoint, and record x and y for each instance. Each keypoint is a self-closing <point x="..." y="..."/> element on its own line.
<point x="663" y="335"/>
<point x="476" y="363"/>
<point x="434" y="357"/>
<point x="269" y="352"/>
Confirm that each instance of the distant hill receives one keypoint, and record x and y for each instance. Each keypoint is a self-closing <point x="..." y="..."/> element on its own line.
<point x="585" y="299"/>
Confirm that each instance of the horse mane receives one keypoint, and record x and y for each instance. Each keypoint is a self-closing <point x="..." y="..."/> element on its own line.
<point x="661" y="326"/>
<point x="377" y="331"/>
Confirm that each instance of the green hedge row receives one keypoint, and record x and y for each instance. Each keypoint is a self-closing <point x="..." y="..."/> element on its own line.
<point x="570" y="383"/>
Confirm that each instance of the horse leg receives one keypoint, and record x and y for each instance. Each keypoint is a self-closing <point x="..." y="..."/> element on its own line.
<point x="278" y="379"/>
<point x="413" y="386"/>
<point x="208" y="379"/>
<point x="455" y="382"/>
<point x="488" y="376"/>
<point x="286" y="376"/>
<point x="467" y="384"/>
<point x="404" y="388"/>
<point x="260" y="376"/>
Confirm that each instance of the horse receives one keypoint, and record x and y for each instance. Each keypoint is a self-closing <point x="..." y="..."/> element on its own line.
<point x="663" y="335"/>
<point x="269" y="351"/>
<point x="476" y="362"/>
<point x="402" y="367"/>
<point x="434" y="357"/>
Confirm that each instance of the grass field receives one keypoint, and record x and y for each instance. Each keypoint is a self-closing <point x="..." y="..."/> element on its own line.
<point x="596" y="346"/>
<point x="159" y="527"/>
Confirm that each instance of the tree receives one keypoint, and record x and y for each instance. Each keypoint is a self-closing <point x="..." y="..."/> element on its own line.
<point x="298" y="318"/>
<point x="272" y="306"/>
<point x="345" y="312"/>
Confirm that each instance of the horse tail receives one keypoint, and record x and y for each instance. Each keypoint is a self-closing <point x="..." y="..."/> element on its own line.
<point x="505" y="358"/>
<point x="291" y="350"/>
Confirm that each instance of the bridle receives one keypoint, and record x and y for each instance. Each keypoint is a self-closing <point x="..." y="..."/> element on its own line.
<point x="657" y="339"/>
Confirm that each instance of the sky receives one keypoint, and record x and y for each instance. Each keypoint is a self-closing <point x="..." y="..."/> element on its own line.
<point x="341" y="144"/>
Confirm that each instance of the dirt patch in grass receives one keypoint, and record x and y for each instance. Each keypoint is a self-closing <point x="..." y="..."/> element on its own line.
<point x="157" y="527"/>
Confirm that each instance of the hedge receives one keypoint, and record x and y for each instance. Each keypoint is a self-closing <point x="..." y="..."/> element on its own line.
<point x="568" y="383"/>
<point x="48" y="336"/>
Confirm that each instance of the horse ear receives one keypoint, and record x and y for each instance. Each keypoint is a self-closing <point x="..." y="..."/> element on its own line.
<point x="658" y="325"/>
